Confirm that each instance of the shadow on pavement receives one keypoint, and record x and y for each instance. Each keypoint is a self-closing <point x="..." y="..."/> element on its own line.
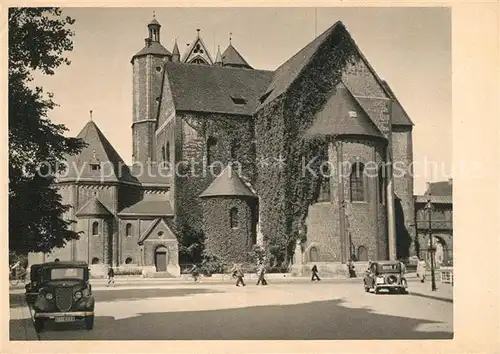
<point x="322" y="320"/>
<point x="439" y="298"/>
<point x="126" y="294"/>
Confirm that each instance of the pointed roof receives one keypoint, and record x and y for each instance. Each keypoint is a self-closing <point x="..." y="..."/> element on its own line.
<point x="175" y="51"/>
<point x="152" y="48"/>
<point x="157" y="223"/>
<point x="228" y="183"/>
<point x="343" y="115"/>
<point x="112" y="168"/>
<point x="154" y="22"/>
<point x="197" y="50"/>
<point x="286" y="74"/>
<point x="231" y="57"/>
<point x="218" y="58"/>
<point x="93" y="208"/>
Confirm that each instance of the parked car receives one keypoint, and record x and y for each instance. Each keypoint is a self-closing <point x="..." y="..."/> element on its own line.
<point x="387" y="275"/>
<point x="34" y="285"/>
<point x="65" y="295"/>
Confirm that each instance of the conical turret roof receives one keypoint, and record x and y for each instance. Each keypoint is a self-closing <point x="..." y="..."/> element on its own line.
<point x="228" y="183"/>
<point x="231" y="57"/>
<point x="93" y="208"/>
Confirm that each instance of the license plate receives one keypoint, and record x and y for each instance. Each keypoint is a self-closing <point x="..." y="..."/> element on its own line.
<point x="65" y="319"/>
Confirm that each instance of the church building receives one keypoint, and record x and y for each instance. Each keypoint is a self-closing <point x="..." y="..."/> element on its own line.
<point x="197" y="113"/>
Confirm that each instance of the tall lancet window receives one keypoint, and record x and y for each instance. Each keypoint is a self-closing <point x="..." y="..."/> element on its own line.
<point x="381" y="185"/>
<point x="233" y="218"/>
<point x="356" y="180"/>
<point x="211" y="145"/>
<point x="95" y="228"/>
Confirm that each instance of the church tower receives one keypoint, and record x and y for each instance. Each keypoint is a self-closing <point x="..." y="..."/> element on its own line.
<point x="147" y="77"/>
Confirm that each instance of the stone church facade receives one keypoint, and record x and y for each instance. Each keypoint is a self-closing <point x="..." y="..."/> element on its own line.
<point x="193" y="114"/>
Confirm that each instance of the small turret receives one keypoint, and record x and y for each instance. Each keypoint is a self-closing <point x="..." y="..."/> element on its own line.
<point x="176" y="55"/>
<point x="218" y="58"/>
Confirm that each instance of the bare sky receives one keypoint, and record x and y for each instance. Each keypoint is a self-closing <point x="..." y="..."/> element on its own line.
<point x="408" y="47"/>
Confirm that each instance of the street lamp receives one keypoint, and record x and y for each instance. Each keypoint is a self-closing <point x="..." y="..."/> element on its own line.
<point x="428" y="207"/>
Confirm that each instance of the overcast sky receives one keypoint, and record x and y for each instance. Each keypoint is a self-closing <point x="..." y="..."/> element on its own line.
<point x="408" y="47"/>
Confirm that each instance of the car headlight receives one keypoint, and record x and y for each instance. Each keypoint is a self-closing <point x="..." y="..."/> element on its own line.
<point x="49" y="296"/>
<point x="78" y="295"/>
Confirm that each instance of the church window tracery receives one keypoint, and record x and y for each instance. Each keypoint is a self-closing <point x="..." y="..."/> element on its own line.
<point x="356" y="180"/>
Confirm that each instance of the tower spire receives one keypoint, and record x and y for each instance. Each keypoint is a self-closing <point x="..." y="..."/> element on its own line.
<point x="230" y="37"/>
<point x="90" y="115"/>
<point x="218" y="58"/>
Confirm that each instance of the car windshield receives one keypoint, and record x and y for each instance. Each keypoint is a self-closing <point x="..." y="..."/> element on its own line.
<point x="66" y="273"/>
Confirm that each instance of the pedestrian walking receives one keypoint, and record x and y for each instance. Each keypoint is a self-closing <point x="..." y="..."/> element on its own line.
<point x="351" y="269"/>
<point x="195" y="273"/>
<point x="315" y="275"/>
<point x="111" y="277"/>
<point x="261" y="271"/>
<point x="238" y="273"/>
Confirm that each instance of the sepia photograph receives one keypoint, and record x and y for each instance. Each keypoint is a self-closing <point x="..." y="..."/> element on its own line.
<point x="184" y="173"/>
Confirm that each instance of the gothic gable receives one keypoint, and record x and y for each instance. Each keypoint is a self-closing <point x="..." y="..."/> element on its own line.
<point x="158" y="231"/>
<point x="197" y="53"/>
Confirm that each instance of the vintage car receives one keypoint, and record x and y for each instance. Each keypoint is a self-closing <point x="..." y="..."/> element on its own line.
<point x="34" y="284"/>
<point x="64" y="295"/>
<point x="387" y="275"/>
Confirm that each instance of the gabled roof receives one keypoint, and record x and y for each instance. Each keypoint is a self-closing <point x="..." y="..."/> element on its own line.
<point x="148" y="208"/>
<point x="286" y="74"/>
<point x="154" y="48"/>
<point x="190" y="54"/>
<point x="93" y="208"/>
<point x="228" y="183"/>
<point x="98" y="149"/>
<point x="399" y="115"/>
<point x="337" y="117"/>
<point x="231" y="57"/>
<point x="150" y="229"/>
<point x="208" y="88"/>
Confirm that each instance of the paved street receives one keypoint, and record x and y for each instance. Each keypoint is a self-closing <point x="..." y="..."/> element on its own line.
<point x="282" y="310"/>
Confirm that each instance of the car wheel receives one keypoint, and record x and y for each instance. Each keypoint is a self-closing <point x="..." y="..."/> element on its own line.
<point x="89" y="322"/>
<point x="38" y="325"/>
<point x="377" y="291"/>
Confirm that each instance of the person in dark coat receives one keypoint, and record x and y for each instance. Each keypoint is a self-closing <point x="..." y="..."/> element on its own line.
<point x="195" y="273"/>
<point x="261" y="271"/>
<point x="111" y="277"/>
<point x="315" y="275"/>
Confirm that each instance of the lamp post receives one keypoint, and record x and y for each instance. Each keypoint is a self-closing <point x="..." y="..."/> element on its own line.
<point x="428" y="208"/>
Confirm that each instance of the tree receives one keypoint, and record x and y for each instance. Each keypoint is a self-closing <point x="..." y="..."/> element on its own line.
<point x="38" y="37"/>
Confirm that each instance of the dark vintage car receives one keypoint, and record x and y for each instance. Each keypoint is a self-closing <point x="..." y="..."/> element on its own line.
<point x="33" y="286"/>
<point x="387" y="275"/>
<point x="64" y="295"/>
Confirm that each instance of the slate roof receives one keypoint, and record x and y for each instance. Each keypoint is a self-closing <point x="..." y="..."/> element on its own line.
<point x="228" y="183"/>
<point x="334" y="118"/>
<point x="231" y="57"/>
<point x="148" y="208"/>
<point x="208" y="88"/>
<point x="286" y="74"/>
<point x="151" y="174"/>
<point x="155" y="48"/>
<point x="399" y="115"/>
<point x="436" y="199"/>
<point x="93" y="208"/>
<point x="99" y="149"/>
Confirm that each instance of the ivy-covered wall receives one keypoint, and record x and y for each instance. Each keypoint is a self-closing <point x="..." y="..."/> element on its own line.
<point x="194" y="176"/>
<point x="231" y="245"/>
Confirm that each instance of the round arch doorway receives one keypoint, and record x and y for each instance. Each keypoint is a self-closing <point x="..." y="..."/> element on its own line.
<point x="161" y="258"/>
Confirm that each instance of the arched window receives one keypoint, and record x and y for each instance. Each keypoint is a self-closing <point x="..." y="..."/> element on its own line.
<point x="234" y="148"/>
<point x="56" y="260"/>
<point x="233" y="215"/>
<point x="324" y="189"/>
<point x="211" y="144"/>
<point x="167" y="152"/>
<point x="128" y="230"/>
<point x="356" y="180"/>
<point x="313" y="254"/>
<point x="128" y="260"/>
<point x="362" y="254"/>
<point x="381" y="185"/>
<point x="95" y="260"/>
<point x="95" y="228"/>
<point x="163" y="154"/>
